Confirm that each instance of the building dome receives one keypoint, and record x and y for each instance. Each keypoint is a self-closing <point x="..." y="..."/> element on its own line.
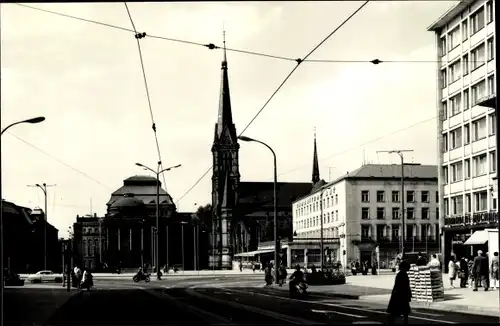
<point x="127" y="201"/>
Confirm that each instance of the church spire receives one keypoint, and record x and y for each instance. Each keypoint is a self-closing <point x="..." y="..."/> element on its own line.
<point x="315" y="171"/>
<point x="225" y="117"/>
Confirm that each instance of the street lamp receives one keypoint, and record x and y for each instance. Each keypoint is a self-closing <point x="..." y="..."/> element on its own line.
<point x="276" y="240"/>
<point x="157" y="172"/>
<point x="33" y="120"/>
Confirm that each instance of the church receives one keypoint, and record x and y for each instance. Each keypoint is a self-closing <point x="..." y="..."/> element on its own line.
<point x="242" y="216"/>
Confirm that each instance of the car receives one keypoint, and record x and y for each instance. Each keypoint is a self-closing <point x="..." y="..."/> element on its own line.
<point x="45" y="276"/>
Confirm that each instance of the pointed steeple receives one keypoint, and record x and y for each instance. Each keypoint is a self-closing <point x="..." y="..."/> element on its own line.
<point x="315" y="171"/>
<point x="225" y="117"/>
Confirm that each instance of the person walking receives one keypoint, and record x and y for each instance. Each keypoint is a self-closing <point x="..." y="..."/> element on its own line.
<point x="480" y="269"/>
<point x="494" y="270"/>
<point x="452" y="270"/>
<point x="399" y="303"/>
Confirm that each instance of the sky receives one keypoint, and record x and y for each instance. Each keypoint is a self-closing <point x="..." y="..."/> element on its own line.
<point x="86" y="79"/>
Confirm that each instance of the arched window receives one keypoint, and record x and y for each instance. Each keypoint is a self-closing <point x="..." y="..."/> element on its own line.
<point x="84" y="247"/>
<point x="90" y="248"/>
<point x="96" y="247"/>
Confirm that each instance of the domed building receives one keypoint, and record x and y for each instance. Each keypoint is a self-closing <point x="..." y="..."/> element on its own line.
<point x="125" y="236"/>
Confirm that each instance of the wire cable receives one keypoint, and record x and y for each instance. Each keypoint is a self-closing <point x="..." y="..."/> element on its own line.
<point x="139" y="36"/>
<point x="298" y="62"/>
<point x="60" y="161"/>
<point x="363" y="144"/>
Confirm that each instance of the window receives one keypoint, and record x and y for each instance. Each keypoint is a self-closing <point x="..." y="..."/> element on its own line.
<point x="467" y="168"/>
<point x="365" y="231"/>
<point x="479" y="129"/>
<point x="493" y="124"/>
<point x="491" y="84"/>
<point x="395" y="232"/>
<point x="455" y="71"/>
<point x="425" y="213"/>
<point x="410" y="196"/>
<point x="446" y="207"/>
<point x="468" y="204"/>
<point x="457" y="204"/>
<point x="490" y="44"/>
<point x="336" y="216"/>
<point x="445" y="175"/>
<point x="365" y="213"/>
<point x="437" y="196"/>
<point x="424" y="231"/>
<point x="456" y="138"/>
<point x="445" y="143"/>
<point x="380" y="213"/>
<point x="466" y="134"/>
<point x="395" y="213"/>
<point x="437" y="213"/>
<point x="481" y="201"/>
<point x="478" y="56"/>
<point x="465" y="31"/>
<point x="456" y="172"/>
<point x="365" y="196"/>
<point x="479" y="165"/>
<point x="444" y="111"/>
<point x="410" y="232"/>
<point x="410" y="213"/>
<point x="489" y="11"/>
<point x="425" y="196"/>
<point x="455" y="103"/>
<point x="454" y="38"/>
<point x="395" y="196"/>
<point x="380" y="232"/>
<point x="478" y="92"/>
<point x="465" y="101"/>
<point x="477" y="21"/>
<point x="380" y="196"/>
<point x="493" y="161"/>
<point x="336" y="199"/>
<point x="444" y="78"/>
<point x="465" y="62"/>
<point x="443" y="46"/>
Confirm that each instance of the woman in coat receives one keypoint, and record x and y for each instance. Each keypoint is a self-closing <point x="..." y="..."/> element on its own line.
<point x="399" y="304"/>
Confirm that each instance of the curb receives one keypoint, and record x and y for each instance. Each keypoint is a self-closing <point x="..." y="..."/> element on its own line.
<point x="329" y="295"/>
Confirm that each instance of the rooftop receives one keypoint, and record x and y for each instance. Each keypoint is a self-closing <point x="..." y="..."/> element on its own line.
<point x="449" y="15"/>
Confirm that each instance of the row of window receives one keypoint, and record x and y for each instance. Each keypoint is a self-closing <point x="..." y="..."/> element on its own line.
<point x="91" y="247"/>
<point x="425" y="196"/>
<point x="461" y="136"/>
<point x="314" y="221"/>
<point x="461" y="67"/>
<point x="411" y="231"/>
<point x="472" y="25"/>
<point x="307" y="208"/>
<point x="462" y="170"/>
<point x="396" y="213"/>
<point x="463" y="203"/>
<point x="462" y="101"/>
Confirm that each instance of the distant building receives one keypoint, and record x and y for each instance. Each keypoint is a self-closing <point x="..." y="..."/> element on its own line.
<point x="465" y="37"/>
<point x="362" y="211"/>
<point x="24" y="238"/>
<point x="125" y="236"/>
<point x="242" y="211"/>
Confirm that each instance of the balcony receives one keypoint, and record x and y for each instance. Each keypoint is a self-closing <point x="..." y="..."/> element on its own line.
<point x="489" y="101"/>
<point x="486" y="219"/>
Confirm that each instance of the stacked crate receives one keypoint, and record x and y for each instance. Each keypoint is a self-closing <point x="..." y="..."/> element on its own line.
<point x="426" y="284"/>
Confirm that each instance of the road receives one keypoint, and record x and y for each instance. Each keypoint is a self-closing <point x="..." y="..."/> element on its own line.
<point x="203" y="301"/>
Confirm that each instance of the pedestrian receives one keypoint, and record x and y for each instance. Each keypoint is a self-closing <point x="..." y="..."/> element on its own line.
<point x="452" y="270"/>
<point x="463" y="273"/>
<point x="480" y="269"/>
<point x="494" y="270"/>
<point x="399" y="303"/>
<point x="434" y="263"/>
<point x="421" y="261"/>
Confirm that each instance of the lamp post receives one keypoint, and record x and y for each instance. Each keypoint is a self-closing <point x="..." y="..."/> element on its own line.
<point x="182" y="244"/>
<point x="157" y="172"/>
<point x="276" y="239"/>
<point x="33" y="120"/>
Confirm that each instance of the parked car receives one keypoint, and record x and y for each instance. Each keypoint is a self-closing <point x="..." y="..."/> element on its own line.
<point x="45" y="276"/>
<point x="12" y="279"/>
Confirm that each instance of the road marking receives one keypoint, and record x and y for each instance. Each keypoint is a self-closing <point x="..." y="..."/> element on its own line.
<point x="347" y="306"/>
<point x="275" y="315"/>
<point x="426" y="313"/>
<point x="337" y="312"/>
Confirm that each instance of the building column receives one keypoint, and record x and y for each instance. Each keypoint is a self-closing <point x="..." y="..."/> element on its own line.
<point x="119" y="239"/>
<point x="142" y="246"/>
<point x="130" y="239"/>
<point x="305" y="258"/>
<point x="289" y="257"/>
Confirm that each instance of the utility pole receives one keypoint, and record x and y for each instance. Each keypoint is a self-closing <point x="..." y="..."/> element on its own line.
<point x="403" y="226"/>
<point x="321" y="240"/>
<point x="44" y="186"/>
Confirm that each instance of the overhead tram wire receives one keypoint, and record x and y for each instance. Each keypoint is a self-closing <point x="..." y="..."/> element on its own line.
<point x="362" y="144"/>
<point x="213" y="46"/>
<point x="139" y="36"/>
<point x="298" y="61"/>
<point x="60" y="161"/>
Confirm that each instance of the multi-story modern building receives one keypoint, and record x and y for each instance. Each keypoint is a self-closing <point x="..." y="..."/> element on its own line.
<point x="465" y="37"/>
<point x="363" y="210"/>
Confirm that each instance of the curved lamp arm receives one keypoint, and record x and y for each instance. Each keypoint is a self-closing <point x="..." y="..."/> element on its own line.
<point x="33" y="120"/>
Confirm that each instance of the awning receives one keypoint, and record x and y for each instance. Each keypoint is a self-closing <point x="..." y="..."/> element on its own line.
<point x="477" y="238"/>
<point x="254" y="253"/>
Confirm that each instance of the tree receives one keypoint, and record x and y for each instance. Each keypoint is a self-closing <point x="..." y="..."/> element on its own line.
<point x="204" y="213"/>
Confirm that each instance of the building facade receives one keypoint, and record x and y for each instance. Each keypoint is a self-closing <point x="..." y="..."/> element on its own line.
<point x="465" y="38"/>
<point x="242" y="211"/>
<point x="361" y="212"/>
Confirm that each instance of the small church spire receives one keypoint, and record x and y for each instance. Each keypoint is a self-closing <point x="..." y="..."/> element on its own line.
<point x="224" y="43"/>
<point x="315" y="171"/>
